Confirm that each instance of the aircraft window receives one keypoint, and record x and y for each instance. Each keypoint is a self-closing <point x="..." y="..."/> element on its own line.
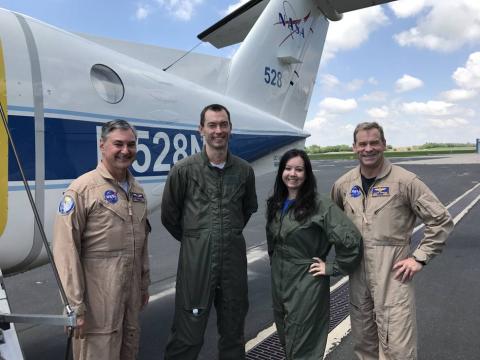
<point x="107" y="83"/>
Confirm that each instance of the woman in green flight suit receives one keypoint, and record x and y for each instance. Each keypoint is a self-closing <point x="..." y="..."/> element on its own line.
<point x="301" y="229"/>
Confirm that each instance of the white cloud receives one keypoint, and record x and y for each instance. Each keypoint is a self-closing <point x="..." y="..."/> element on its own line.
<point x="375" y="96"/>
<point x="468" y="77"/>
<point x="353" y="30"/>
<point x="407" y="8"/>
<point x="325" y="131"/>
<point x="233" y="7"/>
<point x="447" y="26"/>
<point x="407" y="83"/>
<point x="430" y="108"/>
<point x="448" y="123"/>
<point x="378" y="112"/>
<point x="328" y="80"/>
<point x="338" y="106"/>
<point x="317" y="123"/>
<point x="458" y="95"/>
<point x="181" y="9"/>
<point x="142" y="12"/>
<point x="354" y="85"/>
<point x="371" y="80"/>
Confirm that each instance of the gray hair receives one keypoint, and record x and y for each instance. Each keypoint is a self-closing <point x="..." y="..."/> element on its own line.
<point x="118" y="124"/>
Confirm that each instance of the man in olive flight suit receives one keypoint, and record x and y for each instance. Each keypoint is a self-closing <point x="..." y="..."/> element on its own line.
<point x="384" y="201"/>
<point x="208" y="199"/>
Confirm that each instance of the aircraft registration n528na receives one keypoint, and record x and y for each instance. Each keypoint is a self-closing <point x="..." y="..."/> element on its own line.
<point x="58" y="88"/>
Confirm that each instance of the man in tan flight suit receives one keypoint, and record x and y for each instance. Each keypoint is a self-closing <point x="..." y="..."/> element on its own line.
<point x="384" y="201"/>
<point x="100" y="249"/>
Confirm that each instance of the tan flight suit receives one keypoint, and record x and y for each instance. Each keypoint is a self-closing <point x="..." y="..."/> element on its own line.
<point x="382" y="309"/>
<point x="100" y="249"/>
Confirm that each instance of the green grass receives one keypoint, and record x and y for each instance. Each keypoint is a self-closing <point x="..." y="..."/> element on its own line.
<point x="390" y="153"/>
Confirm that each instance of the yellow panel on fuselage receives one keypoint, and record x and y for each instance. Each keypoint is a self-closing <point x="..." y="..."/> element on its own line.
<point x="3" y="148"/>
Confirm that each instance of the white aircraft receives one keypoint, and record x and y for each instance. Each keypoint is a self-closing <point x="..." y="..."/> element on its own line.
<point x="58" y="88"/>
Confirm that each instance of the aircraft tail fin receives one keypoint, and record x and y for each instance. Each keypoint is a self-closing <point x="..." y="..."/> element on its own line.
<point x="277" y="63"/>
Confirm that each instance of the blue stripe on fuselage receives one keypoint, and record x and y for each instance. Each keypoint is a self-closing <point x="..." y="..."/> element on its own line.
<point x="71" y="147"/>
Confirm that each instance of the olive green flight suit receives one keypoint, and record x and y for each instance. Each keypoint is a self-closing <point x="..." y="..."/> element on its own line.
<point x="382" y="310"/>
<point x="101" y="253"/>
<point x="301" y="302"/>
<point x="206" y="209"/>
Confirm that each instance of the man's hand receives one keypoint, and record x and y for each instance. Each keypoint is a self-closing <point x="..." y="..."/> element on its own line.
<point x="145" y="299"/>
<point x="79" y="331"/>
<point x="406" y="269"/>
<point x="317" y="268"/>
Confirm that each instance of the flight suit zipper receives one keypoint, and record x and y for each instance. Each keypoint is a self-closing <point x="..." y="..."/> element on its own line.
<point x="220" y="208"/>
<point x="130" y="213"/>
<point x="283" y="260"/>
<point x="365" y="200"/>
<point x="364" y="204"/>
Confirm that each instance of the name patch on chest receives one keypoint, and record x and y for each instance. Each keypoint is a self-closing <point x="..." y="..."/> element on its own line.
<point x="380" y="191"/>
<point x="111" y="196"/>
<point x="137" y="197"/>
<point x="355" y="192"/>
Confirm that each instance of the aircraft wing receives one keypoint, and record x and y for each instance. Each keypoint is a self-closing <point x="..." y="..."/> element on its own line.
<point x="343" y="6"/>
<point x="234" y="27"/>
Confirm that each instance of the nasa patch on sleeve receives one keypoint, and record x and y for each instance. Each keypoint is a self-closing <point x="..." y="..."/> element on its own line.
<point x="66" y="206"/>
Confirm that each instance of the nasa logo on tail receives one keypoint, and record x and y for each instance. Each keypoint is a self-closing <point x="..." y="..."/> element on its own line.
<point x="295" y="25"/>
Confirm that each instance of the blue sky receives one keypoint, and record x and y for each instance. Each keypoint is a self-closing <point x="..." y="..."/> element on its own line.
<point x="412" y="65"/>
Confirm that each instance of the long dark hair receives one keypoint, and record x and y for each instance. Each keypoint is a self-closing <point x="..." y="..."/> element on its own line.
<point x="304" y="204"/>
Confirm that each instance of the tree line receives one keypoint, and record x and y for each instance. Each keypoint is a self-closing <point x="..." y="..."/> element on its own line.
<point x="316" y="149"/>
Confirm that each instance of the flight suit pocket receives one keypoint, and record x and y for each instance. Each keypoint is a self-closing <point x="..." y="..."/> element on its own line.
<point x="430" y="207"/>
<point x="348" y="208"/>
<point x="195" y="270"/>
<point x="398" y="332"/>
<point x="391" y="219"/>
<point x="353" y="212"/>
<point x="234" y="188"/>
<point x="198" y="187"/>
<point x="105" y="292"/>
<point x="139" y="210"/>
<point x="387" y="202"/>
<point x="117" y="209"/>
<point x="106" y="227"/>
<point x="140" y="224"/>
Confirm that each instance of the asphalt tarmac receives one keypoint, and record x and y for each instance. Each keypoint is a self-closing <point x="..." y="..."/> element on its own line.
<point x="447" y="290"/>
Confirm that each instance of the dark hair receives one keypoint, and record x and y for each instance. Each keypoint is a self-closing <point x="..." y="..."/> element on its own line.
<point x="305" y="203"/>
<point x="368" y="126"/>
<point x="215" y="108"/>
<point x="110" y="126"/>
